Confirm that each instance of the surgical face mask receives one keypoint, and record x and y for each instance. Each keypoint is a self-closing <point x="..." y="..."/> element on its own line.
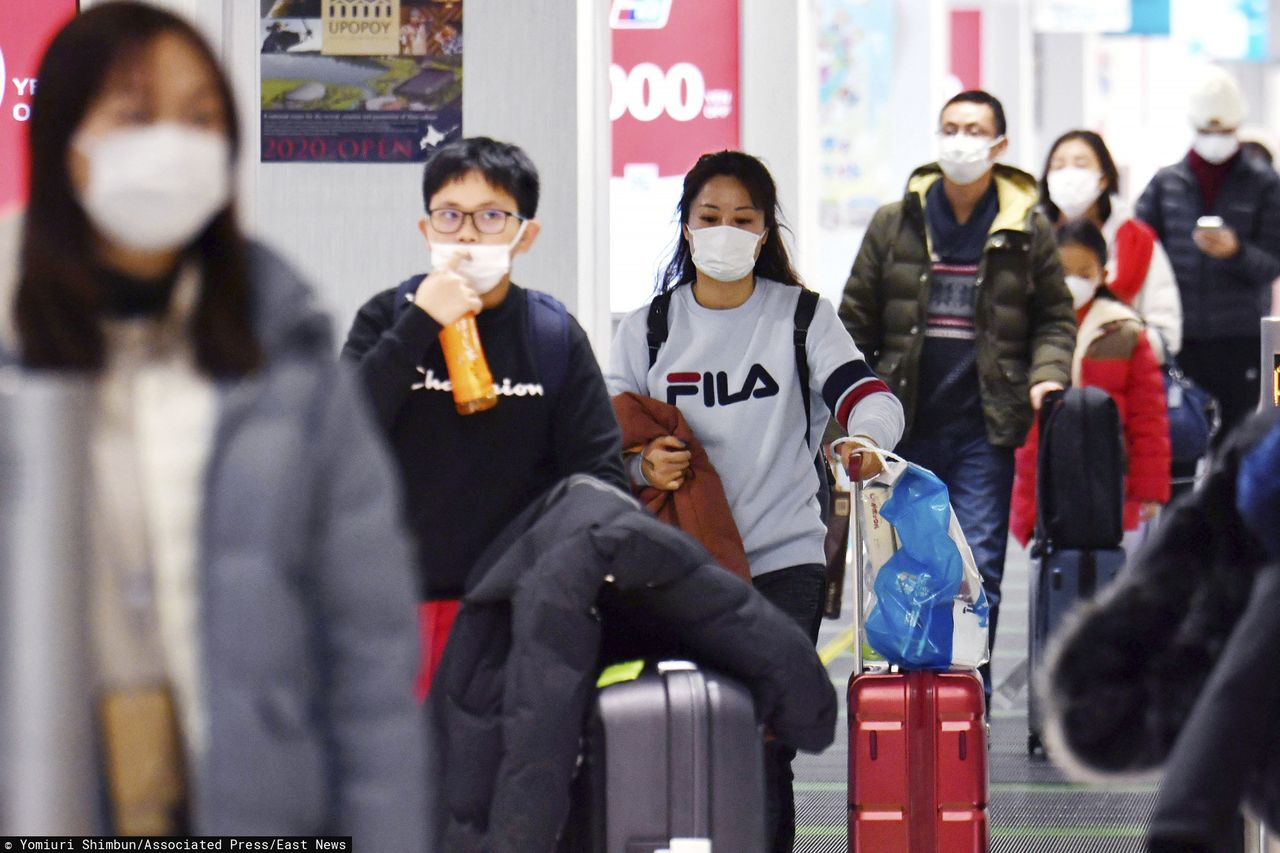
<point x="1216" y="147"/>
<point x="1074" y="190"/>
<point x="724" y="252"/>
<point x="1082" y="290"/>
<point x="154" y="188"/>
<point x="964" y="159"/>
<point x="487" y="264"/>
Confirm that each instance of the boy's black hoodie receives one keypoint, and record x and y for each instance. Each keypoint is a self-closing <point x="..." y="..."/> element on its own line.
<point x="467" y="476"/>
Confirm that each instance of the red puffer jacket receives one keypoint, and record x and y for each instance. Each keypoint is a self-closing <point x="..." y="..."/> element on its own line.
<point x="1119" y="360"/>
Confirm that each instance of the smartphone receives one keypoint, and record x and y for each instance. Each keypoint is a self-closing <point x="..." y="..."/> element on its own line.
<point x="1209" y="223"/>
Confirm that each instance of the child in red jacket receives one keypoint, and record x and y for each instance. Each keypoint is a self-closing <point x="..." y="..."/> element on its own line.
<point x="1112" y="353"/>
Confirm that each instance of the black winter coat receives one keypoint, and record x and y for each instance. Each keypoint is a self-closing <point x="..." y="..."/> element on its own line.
<point x="1175" y="663"/>
<point x="514" y="687"/>
<point x="1220" y="298"/>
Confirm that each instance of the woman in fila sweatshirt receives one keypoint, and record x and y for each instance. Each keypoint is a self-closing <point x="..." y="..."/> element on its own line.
<point x="728" y="306"/>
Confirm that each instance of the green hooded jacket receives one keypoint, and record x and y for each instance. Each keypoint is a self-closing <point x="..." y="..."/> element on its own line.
<point x="1025" y="323"/>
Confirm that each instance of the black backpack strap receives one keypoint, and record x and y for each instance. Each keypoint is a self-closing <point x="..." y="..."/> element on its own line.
<point x="657" y="334"/>
<point x="549" y="340"/>
<point x="405" y="291"/>
<point x="806" y="307"/>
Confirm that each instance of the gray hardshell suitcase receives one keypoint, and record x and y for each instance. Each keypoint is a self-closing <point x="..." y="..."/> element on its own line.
<point x="673" y="762"/>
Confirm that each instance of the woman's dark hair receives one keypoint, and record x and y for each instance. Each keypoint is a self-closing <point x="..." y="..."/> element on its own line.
<point x="774" y="263"/>
<point x="1109" y="171"/>
<point x="505" y="167"/>
<point x="1082" y="232"/>
<point x="59" y="302"/>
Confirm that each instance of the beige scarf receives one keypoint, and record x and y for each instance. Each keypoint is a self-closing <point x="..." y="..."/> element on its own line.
<point x="1101" y="313"/>
<point x="150" y="446"/>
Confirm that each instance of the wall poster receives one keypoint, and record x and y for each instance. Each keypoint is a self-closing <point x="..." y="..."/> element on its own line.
<point x="855" y="78"/>
<point x="359" y="81"/>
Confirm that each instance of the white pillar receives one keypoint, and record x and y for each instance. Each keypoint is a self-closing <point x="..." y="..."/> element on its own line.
<point x="1060" y="89"/>
<point x="779" y="97"/>
<point x="1008" y="73"/>
<point x="539" y="77"/>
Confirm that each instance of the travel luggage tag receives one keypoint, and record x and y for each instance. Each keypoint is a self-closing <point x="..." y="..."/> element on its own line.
<point x="619" y="673"/>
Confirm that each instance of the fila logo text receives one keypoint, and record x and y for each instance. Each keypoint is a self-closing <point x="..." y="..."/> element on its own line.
<point x="714" y="387"/>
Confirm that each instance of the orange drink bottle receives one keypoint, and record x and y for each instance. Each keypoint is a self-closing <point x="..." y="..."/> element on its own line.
<point x="468" y="370"/>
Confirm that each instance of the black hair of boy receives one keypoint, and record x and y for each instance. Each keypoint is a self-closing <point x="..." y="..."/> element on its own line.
<point x="504" y="166"/>
<point x="978" y="96"/>
<point x="1084" y="233"/>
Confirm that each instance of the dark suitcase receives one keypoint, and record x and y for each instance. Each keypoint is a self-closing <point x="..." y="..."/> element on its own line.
<point x="917" y="763"/>
<point x="673" y="761"/>
<point x="917" y="752"/>
<point x="1080" y="471"/>
<point x="1061" y="580"/>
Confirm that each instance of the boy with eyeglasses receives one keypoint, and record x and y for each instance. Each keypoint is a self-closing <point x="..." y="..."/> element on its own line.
<point x="466" y="476"/>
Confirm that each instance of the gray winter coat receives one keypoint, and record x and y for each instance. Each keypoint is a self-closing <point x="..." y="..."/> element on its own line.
<point x="1220" y="298"/>
<point x="309" y="643"/>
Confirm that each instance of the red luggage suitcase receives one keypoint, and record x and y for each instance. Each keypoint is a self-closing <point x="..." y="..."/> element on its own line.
<point x="917" y="763"/>
<point x="917" y="755"/>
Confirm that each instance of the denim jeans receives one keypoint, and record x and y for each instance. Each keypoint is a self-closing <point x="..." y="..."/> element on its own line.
<point x="979" y="478"/>
<point x="797" y="592"/>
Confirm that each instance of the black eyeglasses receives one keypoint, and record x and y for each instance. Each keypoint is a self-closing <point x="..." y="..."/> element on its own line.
<point x="491" y="220"/>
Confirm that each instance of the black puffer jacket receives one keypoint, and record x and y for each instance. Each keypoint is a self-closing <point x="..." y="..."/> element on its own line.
<point x="1176" y="662"/>
<point x="1220" y="298"/>
<point x="514" y="687"/>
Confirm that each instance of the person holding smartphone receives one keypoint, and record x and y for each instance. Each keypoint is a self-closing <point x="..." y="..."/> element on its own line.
<point x="1217" y="213"/>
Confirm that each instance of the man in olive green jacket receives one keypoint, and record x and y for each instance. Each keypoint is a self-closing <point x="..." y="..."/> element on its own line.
<point x="958" y="301"/>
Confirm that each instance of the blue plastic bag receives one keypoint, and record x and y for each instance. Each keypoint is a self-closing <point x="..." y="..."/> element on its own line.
<point x="912" y="621"/>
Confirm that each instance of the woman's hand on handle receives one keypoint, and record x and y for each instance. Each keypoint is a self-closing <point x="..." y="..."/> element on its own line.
<point x="861" y="466"/>
<point x="665" y="463"/>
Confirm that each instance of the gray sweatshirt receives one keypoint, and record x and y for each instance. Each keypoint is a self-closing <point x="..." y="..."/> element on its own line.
<point x="732" y="373"/>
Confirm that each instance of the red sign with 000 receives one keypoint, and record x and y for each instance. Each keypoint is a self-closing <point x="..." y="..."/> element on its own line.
<point x="673" y="84"/>
<point x="26" y="27"/>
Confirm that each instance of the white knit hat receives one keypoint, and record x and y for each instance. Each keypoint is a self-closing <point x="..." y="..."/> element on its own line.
<point x="1216" y="97"/>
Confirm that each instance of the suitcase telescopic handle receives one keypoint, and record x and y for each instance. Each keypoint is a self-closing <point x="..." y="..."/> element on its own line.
<point x="854" y="552"/>
<point x="857" y="555"/>
<point x="856" y="545"/>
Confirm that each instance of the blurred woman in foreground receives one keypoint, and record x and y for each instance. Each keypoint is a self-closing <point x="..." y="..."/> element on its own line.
<point x="251" y="623"/>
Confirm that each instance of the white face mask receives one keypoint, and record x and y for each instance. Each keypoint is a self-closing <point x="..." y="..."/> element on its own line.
<point x="1216" y="147"/>
<point x="724" y="252"/>
<point x="1074" y="190"/>
<point x="487" y="264"/>
<point x="964" y="159"/>
<point x="1082" y="290"/>
<point x="154" y="188"/>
